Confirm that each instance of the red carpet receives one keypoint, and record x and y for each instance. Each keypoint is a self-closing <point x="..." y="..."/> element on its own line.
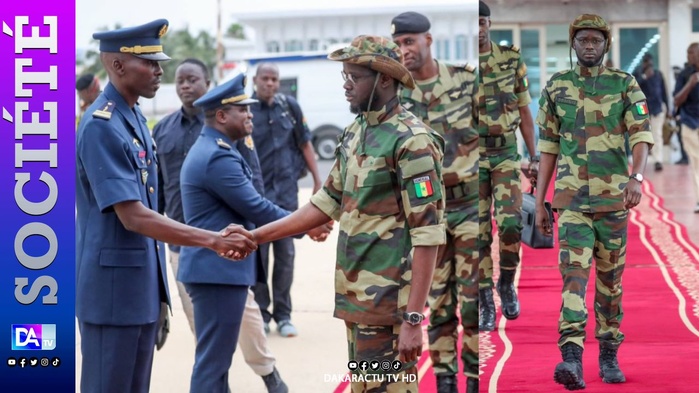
<point x="661" y="318"/>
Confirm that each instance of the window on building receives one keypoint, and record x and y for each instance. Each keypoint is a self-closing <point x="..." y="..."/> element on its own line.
<point x="695" y="20"/>
<point x="293" y="46"/>
<point x="461" y="49"/>
<point x="443" y="49"/>
<point x="313" y="45"/>
<point x="272" y="46"/>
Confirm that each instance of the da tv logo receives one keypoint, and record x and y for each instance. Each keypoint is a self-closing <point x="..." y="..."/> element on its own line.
<point x="33" y="337"/>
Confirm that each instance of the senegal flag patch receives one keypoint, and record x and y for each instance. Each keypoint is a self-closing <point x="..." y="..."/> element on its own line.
<point x="423" y="187"/>
<point x="641" y="108"/>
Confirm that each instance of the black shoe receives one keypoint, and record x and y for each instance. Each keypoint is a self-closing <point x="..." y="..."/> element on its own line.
<point x="508" y="295"/>
<point x="658" y="167"/>
<point x="569" y="372"/>
<point x="471" y="385"/>
<point x="486" y="320"/>
<point x="682" y="161"/>
<point x="608" y="364"/>
<point x="446" y="383"/>
<point x="274" y="383"/>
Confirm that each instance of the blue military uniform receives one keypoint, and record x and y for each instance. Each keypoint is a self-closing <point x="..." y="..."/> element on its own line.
<point x="217" y="189"/>
<point x="120" y="275"/>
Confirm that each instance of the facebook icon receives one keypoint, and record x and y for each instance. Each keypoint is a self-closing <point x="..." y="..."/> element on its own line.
<point x="33" y="337"/>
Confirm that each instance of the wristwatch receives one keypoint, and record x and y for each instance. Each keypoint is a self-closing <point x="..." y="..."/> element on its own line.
<point x="637" y="176"/>
<point x="413" y="318"/>
<point x="533" y="158"/>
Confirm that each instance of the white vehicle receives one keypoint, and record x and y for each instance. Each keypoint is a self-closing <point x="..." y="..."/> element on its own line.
<point x="316" y="84"/>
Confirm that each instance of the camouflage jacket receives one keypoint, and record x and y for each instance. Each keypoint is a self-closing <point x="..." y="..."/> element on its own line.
<point x="385" y="189"/>
<point x="445" y="103"/>
<point x="583" y="116"/>
<point x="505" y="88"/>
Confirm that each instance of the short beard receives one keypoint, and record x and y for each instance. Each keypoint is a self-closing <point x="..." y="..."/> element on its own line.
<point x="589" y="64"/>
<point x="357" y="109"/>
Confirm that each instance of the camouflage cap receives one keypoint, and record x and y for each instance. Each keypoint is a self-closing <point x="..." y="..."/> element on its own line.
<point x="594" y="22"/>
<point x="378" y="53"/>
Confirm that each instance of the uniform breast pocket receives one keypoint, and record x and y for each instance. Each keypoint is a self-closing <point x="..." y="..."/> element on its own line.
<point x="375" y="192"/>
<point x="501" y="100"/>
<point x="567" y="114"/>
<point x="139" y="159"/>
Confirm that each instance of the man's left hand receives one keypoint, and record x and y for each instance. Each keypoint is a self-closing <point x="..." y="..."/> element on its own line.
<point x="410" y="342"/>
<point x="632" y="194"/>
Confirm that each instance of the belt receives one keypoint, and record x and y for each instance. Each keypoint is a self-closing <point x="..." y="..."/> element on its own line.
<point x="456" y="192"/>
<point x="493" y="141"/>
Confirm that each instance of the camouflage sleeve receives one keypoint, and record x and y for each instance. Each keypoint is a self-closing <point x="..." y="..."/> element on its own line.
<point x="636" y="116"/>
<point x="549" y="125"/>
<point x="328" y="198"/>
<point x="419" y="171"/>
<point x="522" y="84"/>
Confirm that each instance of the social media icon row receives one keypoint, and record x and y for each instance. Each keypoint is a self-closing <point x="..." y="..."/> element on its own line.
<point x="33" y="362"/>
<point x="374" y="365"/>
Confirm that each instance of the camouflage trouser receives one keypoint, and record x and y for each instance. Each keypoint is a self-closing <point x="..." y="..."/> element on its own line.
<point x="499" y="182"/>
<point x="456" y="278"/>
<point x="379" y="343"/>
<point x="583" y="236"/>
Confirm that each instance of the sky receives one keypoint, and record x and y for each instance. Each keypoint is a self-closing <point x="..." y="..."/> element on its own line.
<point x="197" y="14"/>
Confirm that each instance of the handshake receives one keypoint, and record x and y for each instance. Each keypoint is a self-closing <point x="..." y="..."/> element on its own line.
<point x="236" y="243"/>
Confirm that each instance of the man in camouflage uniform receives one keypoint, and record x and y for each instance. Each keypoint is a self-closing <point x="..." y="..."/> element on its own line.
<point x="502" y="108"/>
<point x="583" y="117"/>
<point x="443" y="99"/>
<point x="386" y="191"/>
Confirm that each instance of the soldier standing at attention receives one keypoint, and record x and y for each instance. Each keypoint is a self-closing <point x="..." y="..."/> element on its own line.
<point x="120" y="265"/>
<point x="443" y="98"/>
<point x="385" y="188"/>
<point x="584" y="114"/>
<point x="502" y="108"/>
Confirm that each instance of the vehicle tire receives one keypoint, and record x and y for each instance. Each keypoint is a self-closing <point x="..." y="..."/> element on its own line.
<point x="325" y="142"/>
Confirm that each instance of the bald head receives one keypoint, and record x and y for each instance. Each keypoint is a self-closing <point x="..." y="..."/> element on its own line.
<point x="266" y="81"/>
<point x="267" y="67"/>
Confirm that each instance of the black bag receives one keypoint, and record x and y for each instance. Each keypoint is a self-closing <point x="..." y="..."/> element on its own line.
<point x="530" y="234"/>
<point x="299" y="161"/>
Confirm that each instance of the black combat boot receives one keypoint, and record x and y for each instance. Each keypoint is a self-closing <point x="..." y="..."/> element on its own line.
<point x="486" y="320"/>
<point x="446" y="383"/>
<point x="569" y="372"/>
<point x="608" y="364"/>
<point x="471" y="385"/>
<point x="508" y="296"/>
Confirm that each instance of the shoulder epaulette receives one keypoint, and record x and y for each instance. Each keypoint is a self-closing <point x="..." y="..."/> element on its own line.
<point x="469" y="67"/>
<point x="105" y="112"/>
<point x="223" y="144"/>
<point x="512" y="47"/>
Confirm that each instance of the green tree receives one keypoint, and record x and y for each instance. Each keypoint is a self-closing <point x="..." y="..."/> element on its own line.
<point x="91" y="61"/>
<point x="236" y="30"/>
<point x="178" y="44"/>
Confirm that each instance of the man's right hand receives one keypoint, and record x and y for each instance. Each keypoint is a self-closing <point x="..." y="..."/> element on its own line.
<point x="543" y="224"/>
<point x="234" y="242"/>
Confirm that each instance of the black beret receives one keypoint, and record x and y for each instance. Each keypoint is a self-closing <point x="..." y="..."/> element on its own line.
<point x="84" y="82"/>
<point x="483" y="9"/>
<point x="409" y="22"/>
